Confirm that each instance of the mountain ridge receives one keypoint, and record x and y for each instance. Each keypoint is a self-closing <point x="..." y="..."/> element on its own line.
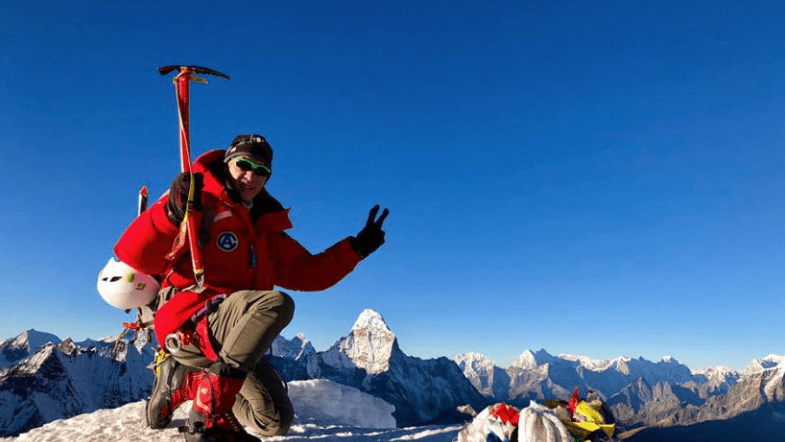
<point x="108" y="373"/>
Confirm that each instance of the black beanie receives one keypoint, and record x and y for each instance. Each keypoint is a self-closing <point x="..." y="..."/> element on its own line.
<point x="254" y="146"/>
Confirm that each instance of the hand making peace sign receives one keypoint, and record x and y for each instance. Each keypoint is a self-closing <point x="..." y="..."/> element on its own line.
<point x="371" y="237"/>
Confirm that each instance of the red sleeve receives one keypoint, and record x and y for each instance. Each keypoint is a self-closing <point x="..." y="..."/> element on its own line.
<point x="146" y="242"/>
<point x="297" y="269"/>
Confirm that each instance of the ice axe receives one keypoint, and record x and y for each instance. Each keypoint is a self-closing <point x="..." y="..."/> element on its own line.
<point x="189" y="228"/>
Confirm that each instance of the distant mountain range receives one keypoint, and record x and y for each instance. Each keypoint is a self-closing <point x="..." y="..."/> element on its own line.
<point x="43" y="379"/>
<point x="641" y="394"/>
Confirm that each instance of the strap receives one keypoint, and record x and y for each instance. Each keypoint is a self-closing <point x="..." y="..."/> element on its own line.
<point x="138" y="325"/>
<point x="209" y="306"/>
<point x="200" y="335"/>
<point x="202" y="340"/>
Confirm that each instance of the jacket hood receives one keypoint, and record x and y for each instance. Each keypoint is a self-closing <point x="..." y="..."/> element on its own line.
<point x="212" y="165"/>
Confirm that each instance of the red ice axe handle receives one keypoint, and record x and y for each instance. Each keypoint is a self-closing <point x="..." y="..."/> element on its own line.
<point x="189" y="228"/>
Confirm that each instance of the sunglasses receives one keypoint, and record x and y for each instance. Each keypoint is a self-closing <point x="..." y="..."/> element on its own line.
<point x="258" y="169"/>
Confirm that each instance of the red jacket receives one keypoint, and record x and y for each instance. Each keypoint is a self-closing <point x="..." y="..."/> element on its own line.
<point x="237" y="254"/>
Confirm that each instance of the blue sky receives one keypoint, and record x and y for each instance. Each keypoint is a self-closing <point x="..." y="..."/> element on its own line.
<point x="596" y="178"/>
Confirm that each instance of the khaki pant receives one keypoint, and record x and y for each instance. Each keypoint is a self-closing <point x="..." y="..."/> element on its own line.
<point x="242" y="329"/>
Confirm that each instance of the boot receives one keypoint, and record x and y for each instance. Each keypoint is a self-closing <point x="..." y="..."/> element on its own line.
<point x="175" y="383"/>
<point x="212" y="419"/>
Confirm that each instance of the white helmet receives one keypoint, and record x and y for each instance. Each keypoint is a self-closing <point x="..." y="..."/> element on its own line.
<point x="123" y="287"/>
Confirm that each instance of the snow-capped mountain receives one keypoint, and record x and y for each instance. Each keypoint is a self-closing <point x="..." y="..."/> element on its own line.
<point x="640" y="402"/>
<point x="529" y="359"/>
<point x="58" y="381"/>
<point x="370" y="360"/>
<point x="297" y="348"/>
<point x="752" y="409"/>
<point x="539" y="375"/>
<point x="718" y="379"/>
<point x="639" y="392"/>
<point x="370" y="343"/>
<point x="482" y="372"/>
<point x="369" y="346"/>
<point x="770" y="361"/>
<point x="15" y="349"/>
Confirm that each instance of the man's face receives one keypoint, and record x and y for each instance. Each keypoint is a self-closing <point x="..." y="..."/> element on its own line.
<point x="248" y="177"/>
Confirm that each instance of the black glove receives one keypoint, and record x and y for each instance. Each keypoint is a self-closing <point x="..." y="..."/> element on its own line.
<point x="178" y="196"/>
<point x="371" y="237"/>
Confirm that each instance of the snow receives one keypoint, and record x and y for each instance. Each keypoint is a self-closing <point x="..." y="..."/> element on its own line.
<point x="599" y="364"/>
<point x="371" y="320"/>
<point x="767" y="363"/>
<point x="299" y="347"/>
<point x="341" y="404"/>
<point x="25" y="344"/>
<point x="324" y="411"/>
<point x="474" y="359"/>
<point x="773" y="384"/>
<point x="369" y="345"/>
<point x="526" y="360"/>
<point x="33" y="339"/>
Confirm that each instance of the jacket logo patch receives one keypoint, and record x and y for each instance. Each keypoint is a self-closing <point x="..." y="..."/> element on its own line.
<point x="227" y="241"/>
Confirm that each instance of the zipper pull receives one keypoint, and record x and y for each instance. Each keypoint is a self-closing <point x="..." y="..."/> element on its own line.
<point x="253" y="257"/>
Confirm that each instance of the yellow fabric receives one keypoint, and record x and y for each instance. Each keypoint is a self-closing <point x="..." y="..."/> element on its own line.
<point x="591" y="419"/>
<point x="584" y="429"/>
<point x="159" y="359"/>
<point x="586" y="413"/>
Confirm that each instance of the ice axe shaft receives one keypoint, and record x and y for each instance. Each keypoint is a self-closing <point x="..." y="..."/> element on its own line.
<point x="189" y="228"/>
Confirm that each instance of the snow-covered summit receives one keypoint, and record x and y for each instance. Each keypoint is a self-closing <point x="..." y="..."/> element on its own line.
<point x="483" y="374"/>
<point x="34" y="339"/>
<point x="370" y="343"/>
<point x="619" y="363"/>
<point x="529" y="359"/>
<point x="370" y="319"/>
<point x="769" y="362"/>
<point x="474" y="360"/>
<point x="26" y="343"/>
<point x="297" y="348"/>
<point x="719" y="376"/>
